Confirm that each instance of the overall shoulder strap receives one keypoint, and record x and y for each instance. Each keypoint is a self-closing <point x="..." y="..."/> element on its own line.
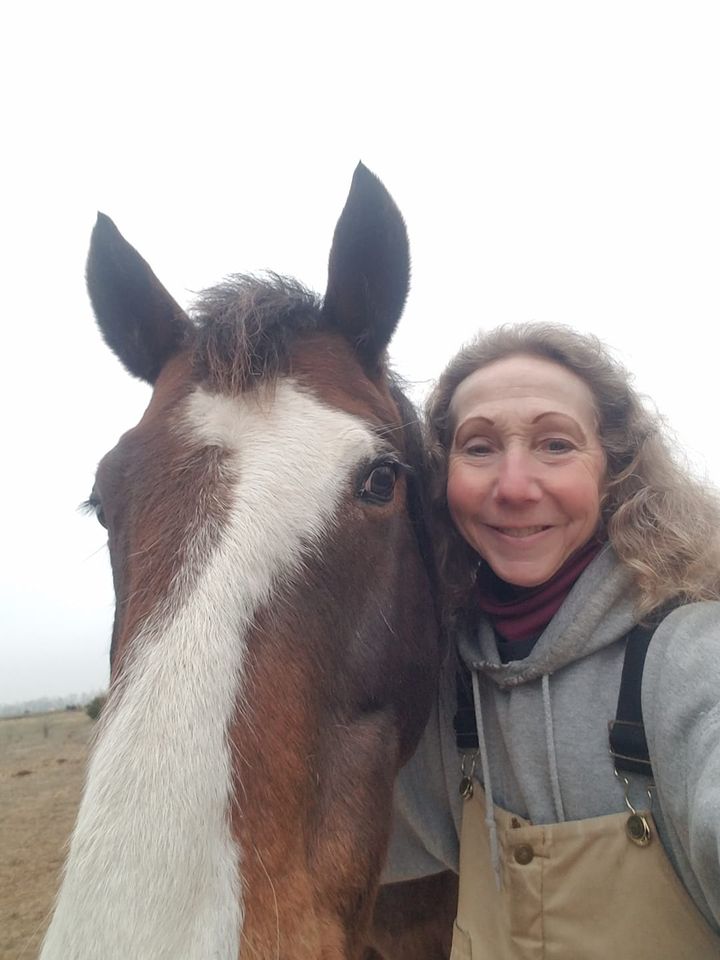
<point x="466" y="736"/>
<point x="628" y="744"/>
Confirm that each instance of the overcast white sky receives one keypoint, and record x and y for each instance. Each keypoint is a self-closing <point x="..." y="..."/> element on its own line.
<point x="554" y="161"/>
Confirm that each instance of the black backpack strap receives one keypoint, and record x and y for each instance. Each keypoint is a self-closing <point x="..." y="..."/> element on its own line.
<point x="628" y="744"/>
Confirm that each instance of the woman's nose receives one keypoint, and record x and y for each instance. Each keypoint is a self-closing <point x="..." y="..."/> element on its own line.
<point x="517" y="480"/>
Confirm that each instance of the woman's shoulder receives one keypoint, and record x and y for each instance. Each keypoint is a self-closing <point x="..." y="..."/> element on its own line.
<point x="681" y="710"/>
<point x="688" y="629"/>
<point x="683" y="661"/>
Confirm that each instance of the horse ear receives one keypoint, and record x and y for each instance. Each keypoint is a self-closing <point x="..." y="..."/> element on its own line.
<point x="369" y="269"/>
<point x="139" y="320"/>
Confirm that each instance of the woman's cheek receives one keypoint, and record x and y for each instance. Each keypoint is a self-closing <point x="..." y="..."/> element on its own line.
<point x="462" y="493"/>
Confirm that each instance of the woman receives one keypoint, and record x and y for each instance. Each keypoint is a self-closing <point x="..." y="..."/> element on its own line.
<point x="564" y="523"/>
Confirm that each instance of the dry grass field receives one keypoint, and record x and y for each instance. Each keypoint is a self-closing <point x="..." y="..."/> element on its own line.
<point x="42" y="761"/>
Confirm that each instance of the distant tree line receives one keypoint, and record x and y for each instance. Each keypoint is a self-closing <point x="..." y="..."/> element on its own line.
<point x="47" y="704"/>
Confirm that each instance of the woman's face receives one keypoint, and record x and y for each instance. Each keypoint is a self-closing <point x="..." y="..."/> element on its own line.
<point x="526" y="467"/>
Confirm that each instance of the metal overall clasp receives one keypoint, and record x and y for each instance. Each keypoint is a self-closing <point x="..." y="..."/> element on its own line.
<point x="467" y="770"/>
<point x="637" y="826"/>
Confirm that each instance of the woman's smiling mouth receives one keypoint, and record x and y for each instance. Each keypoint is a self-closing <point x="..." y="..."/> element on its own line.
<point x="519" y="533"/>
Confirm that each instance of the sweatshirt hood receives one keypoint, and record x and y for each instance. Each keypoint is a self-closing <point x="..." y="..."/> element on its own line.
<point x="594" y="615"/>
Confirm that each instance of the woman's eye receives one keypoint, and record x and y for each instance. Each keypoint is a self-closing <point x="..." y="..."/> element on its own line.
<point x="380" y="483"/>
<point x="478" y="448"/>
<point x="557" y="445"/>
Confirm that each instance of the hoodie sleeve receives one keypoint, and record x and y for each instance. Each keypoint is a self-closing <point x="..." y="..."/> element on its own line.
<point x="681" y="709"/>
<point x="426" y="809"/>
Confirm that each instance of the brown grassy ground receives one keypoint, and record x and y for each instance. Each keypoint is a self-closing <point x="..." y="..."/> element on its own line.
<point x="37" y="813"/>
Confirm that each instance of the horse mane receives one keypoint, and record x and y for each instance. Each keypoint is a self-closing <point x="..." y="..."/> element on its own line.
<point x="245" y="328"/>
<point x="419" y="502"/>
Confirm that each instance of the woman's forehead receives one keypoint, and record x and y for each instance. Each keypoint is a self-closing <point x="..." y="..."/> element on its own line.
<point x="525" y="383"/>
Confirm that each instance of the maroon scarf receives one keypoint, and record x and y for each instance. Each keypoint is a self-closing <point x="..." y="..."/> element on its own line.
<point x="519" y="613"/>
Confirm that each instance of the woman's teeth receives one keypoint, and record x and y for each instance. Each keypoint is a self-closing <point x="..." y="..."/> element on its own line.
<point x="520" y="531"/>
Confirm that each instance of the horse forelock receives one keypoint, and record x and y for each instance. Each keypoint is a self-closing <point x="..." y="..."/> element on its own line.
<point x="246" y="326"/>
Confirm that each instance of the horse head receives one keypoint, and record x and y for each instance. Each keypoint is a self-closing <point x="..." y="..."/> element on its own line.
<point x="275" y="645"/>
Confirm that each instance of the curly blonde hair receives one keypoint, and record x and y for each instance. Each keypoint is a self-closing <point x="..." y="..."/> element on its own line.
<point x="663" y="523"/>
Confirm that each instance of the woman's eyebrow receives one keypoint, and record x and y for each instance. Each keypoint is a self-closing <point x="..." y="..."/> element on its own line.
<point x="471" y="422"/>
<point x="561" y="416"/>
<point x="478" y="418"/>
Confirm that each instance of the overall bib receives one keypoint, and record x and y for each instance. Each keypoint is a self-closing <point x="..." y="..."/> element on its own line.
<point x="577" y="890"/>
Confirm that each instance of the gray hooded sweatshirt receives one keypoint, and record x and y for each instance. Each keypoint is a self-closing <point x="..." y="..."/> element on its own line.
<point x="545" y="732"/>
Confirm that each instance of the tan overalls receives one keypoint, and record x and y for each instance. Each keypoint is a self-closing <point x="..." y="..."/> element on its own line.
<point x="578" y="890"/>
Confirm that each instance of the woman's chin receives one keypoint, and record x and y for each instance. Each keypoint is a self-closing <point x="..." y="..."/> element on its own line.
<point x="524" y="573"/>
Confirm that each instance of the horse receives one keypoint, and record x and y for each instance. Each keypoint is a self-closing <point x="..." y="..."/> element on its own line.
<point x="275" y="646"/>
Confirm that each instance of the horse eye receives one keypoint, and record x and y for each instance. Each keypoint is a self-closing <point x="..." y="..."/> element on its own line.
<point x="93" y="505"/>
<point x="380" y="484"/>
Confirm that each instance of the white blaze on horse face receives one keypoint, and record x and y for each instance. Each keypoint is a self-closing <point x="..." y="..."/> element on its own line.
<point x="153" y="872"/>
